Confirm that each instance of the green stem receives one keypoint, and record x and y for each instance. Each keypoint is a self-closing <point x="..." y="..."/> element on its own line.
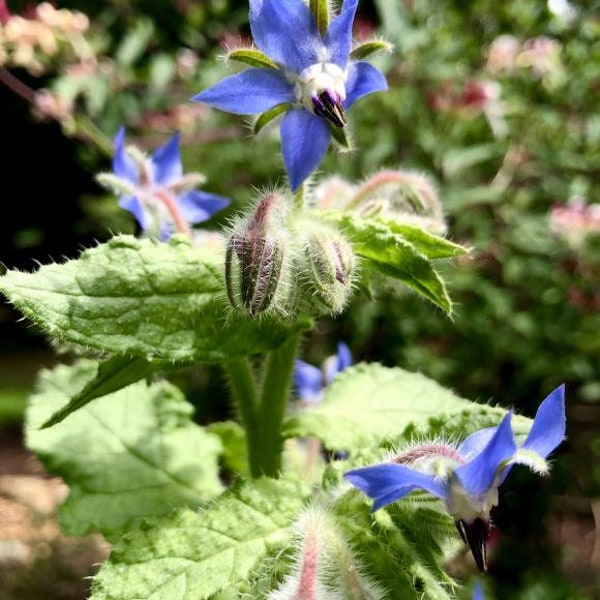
<point x="86" y="129"/>
<point x="243" y="388"/>
<point x="275" y="392"/>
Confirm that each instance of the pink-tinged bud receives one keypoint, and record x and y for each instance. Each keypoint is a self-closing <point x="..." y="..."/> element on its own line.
<point x="407" y="197"/>
<point x="256" y="256"/>
<point x="327" y="267"/>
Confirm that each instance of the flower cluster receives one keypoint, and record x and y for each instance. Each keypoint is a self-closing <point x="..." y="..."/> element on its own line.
<point x="29" y="42"/>
<point x="305" y="71"/>
<point x="155" y="190"/>
<point x="467" y="477"/>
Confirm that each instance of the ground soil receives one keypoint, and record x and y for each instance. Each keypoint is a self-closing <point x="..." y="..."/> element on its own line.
<point x="38" y="562"/>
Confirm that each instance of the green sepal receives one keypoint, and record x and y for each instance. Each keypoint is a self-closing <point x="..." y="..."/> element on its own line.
<point x="112" y="375"/>
<point x="265" y="118"/>
<point x="366" y="49"/>
<point x="340" y="135"/>
<point x="252" y="58"/>
<point x="320" y="10"/>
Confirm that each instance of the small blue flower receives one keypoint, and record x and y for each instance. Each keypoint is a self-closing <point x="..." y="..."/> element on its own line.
<point x="309" y="381"/>
<point x="467" y="478"/>
<point x="155" y="190"/>
<point x="313" y="74"/>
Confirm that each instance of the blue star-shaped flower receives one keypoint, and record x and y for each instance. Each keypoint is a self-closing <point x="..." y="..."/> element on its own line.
<point x="467" y="478"/>
<point x="155" y="190"/>
<point x="312" y="73"/>
<point x="309" y="381"/>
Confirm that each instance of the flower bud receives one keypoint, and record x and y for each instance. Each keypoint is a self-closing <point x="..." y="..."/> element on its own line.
<point x="327" y="267"/>
<point x="406" y="197"/>
<point x="255" y="257"/>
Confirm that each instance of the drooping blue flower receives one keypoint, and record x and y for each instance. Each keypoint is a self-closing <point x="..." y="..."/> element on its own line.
<point x="310" y="381"/>
<point x="311" y="74"/>
<point x="467" y="477"/>
<point x="155" y="190"/>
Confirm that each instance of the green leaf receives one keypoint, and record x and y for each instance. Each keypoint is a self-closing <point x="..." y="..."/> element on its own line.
<point x="192" y="555"/>
<point x="113" y="374"/>
<point x="384" y="249"/>
<point x="431" y="246"/>
<point x="369" y="402"/>
<point x="265" y="118"/>
<point x="233" y="440"/>
<point x="365" y="50"/>
<point x="161" y="301"/>
<point x="129" y="454"/>
<point x="252" y="58"/>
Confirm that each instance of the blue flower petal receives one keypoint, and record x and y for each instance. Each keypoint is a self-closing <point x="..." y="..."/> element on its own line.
<point x="308" y="381"/>
<point x="342" y="360"/>
<point x="363" y="78"/>
<point x="304" y="142"/>
<point x="548" y="429"/>
<point x="123" y="165"/>
<point x="134" y="206"/>
<point x="387" y="483"/>
<point x="166" y="163"/>
<point x="197" y="206"/>
<point x="479" y="474"/>
<point x="475" y="443"/>
<point x="338" y="38"/>
<point x="249" y="92"/>
<point x="286" y="31"/>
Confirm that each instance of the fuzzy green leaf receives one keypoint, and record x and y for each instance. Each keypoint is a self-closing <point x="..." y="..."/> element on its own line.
<point x="369" y="402"/>
<point x="431" y="246"/>
<point x="252" y="58"/>
<point x="193" y="555"/>
<point x="233" y="439"/>
<point x="129" y="454"/>
<point x="161" y="301"/>
<point x="113" y="374"/>
<point x="384" y="249"/>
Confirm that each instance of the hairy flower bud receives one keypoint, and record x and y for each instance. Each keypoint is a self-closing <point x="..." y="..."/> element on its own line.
<point x="256" y="255"/>
<point x="327" y="267"/>
<point x="404" y="196"/>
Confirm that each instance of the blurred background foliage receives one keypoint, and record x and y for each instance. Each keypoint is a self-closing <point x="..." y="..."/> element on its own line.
<point x="496" y="102"/>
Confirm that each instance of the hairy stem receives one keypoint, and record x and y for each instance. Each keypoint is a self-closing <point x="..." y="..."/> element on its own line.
<point x="275" y="392"/>
<point x="243" y="387"/>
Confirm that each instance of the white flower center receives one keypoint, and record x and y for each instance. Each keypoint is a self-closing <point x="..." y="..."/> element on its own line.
<point x="465" y="508"/>
<point x="321" y="88"/>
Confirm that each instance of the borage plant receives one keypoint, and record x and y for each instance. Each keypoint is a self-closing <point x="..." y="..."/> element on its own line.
<point x="264" y="506"/>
